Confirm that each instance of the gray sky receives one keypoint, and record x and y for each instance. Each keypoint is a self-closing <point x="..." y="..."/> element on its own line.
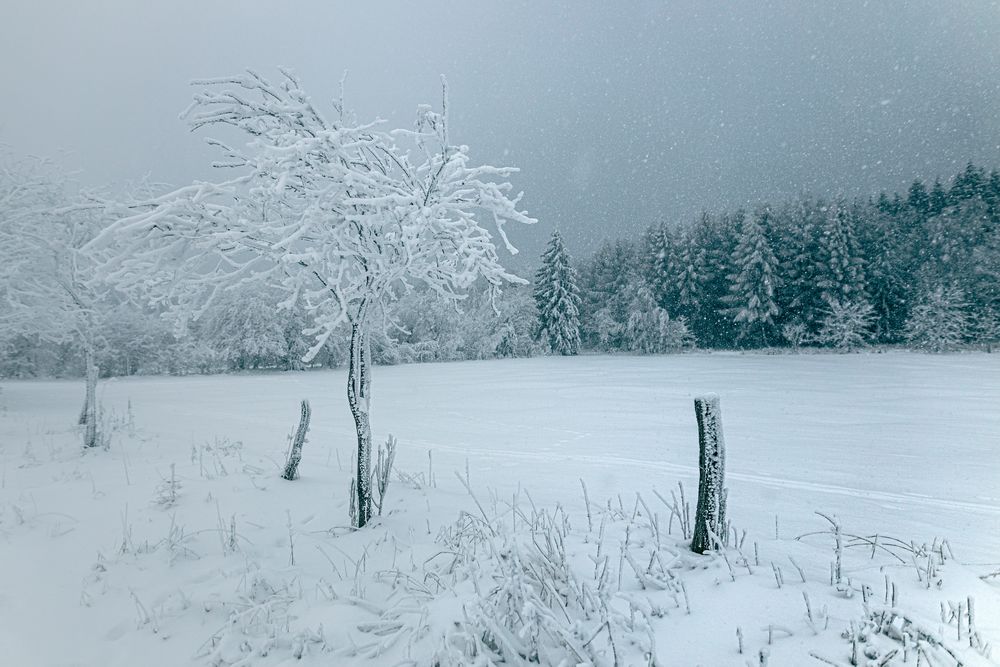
<point x="620" y="114"/>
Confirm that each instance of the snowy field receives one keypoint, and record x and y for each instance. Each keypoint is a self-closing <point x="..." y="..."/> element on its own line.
<point x="105" y="562"/>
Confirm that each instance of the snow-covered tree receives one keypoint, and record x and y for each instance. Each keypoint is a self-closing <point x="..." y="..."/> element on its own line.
<point x="841" y="272"/>
<point x="715" y="238"/>
<point x="606" y="284"/>
<point x="689" y="278"/>
<point x="795" y="333"/>
<point x="661" y="270"/>
<point x="939" y="322"/>
<point x="47" y="285"/>
<point x="796" y="232"/>
<point x="847" y="325"/>
<point x="517" y="314"/>
<point x="131" y="340"/>
<point x="248" y="332"/>
<point x="337" y="215"/>
<point x="752" y="287"/>
<point x="650" y="329"/>
<point x="557" y="298"/>
<point x="429" y="327"/>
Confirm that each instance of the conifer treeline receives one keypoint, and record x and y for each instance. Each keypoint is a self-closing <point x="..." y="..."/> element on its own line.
<point x="921" y="269"/>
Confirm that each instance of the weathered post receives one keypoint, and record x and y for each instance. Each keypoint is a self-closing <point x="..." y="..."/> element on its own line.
<point x="295" y="452"/>
<point x="710" y="517"/>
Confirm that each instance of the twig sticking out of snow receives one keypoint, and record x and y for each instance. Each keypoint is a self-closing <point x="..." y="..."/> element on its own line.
<point x="383" y="468"/>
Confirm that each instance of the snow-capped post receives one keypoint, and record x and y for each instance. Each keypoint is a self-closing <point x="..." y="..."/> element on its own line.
<point x="710" y="516"/>
<point x="295" y="451"/>
<point x="336" y="216"/>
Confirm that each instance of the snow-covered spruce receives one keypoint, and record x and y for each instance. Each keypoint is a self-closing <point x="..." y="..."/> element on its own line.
<point x="337" y="215"/>
<point x="557" y="299"/>
<point x="752" y="287"/>
<point x="939" y="322"/>
<point x="840" y="272"/>
<point x="847" y="325"/>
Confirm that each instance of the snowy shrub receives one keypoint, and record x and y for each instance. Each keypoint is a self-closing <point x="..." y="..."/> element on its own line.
<point x="938" y="323"/>
<point x="985" y="327"/>
<point x="189" y="356"/>
<point x="429" y="327"/>
<point x="258" y="626"/>
<point x="650" y="329"/>
<point x="847" y="325"/>
<point x="19" y="357"/>
<point x="131" y="341"/>
<point x="247" y="330"/>
<point x="503" y="327"/>
<point x="533" y="603"/>
<point x="797" y="334"/>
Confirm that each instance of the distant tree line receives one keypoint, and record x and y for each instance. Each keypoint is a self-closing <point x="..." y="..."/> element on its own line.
<point x="243" y="332"/>
<point x="920" y="270"/>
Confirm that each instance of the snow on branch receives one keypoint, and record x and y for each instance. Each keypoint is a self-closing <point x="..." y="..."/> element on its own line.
<point x="339" y="215"/>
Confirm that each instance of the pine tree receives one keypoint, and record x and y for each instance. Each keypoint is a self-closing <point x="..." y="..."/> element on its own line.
<point x="659" y="250"/>
<point x="690" y="259"/>
<point x="847" y="325"/>
<point x="606" y="292"/>
<point x="939" y="323"/>
<point x="887" y="242"/>
<point x="992" y="197"/>
<point x="800" y="302"/>
<point x="938" y="197"/>
<point x="714" y="241"/>
<point x="917" y="197"/>
<point x="752" y="287"/>
<point x="557" y="298"/>
<point x="841" y="273"/>
<point x="970" y="183"/>
<point x="954" y="241"/>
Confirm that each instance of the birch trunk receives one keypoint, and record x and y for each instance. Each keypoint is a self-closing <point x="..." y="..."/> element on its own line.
<point x="358" y="397"/>
<point x="89" y="415"/>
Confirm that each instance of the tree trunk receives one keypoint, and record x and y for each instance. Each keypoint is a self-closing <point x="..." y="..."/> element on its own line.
<point x="710" y="517"/>
<point x="358" y="397"/>
<point x="90" y="403"/>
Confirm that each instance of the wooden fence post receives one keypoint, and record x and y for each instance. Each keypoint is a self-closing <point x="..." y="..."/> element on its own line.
<point x="710" y="517"/>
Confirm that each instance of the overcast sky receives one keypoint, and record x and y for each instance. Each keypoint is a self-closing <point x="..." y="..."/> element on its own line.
<point x="620" y="114"/>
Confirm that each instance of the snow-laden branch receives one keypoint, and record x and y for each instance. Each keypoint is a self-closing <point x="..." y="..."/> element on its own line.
<point x="338" y="215"/>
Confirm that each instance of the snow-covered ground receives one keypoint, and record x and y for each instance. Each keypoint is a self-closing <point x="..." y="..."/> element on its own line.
<point x="104" y="564"/>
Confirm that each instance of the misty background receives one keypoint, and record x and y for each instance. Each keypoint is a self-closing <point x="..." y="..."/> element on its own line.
<point x="620" y="115"/>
